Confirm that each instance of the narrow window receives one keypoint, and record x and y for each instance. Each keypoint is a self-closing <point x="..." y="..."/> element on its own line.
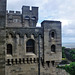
<point x="30" y="46"/>
<point x="53" y="48"/>
<point x="27" y="17"/>
<point x="9" y="49"/>
<point x="52" y="34"/>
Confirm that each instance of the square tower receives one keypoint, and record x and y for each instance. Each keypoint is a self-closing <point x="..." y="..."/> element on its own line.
<point x="29" y="17"/>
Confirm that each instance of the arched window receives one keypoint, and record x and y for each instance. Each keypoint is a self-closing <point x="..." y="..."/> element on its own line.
<point x="27" y="17"/>
<point x="9" y="49"/>
<point x="30" y="46"/>
<point x="53" y="48"/>
<point x="33" y="18"/>
<point x="52" y="34"/>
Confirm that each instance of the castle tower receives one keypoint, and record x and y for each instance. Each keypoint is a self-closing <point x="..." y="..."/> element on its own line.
<point x="52" y="44"/>
<point x="2" y="35"/>
<point x="29" y="17"/>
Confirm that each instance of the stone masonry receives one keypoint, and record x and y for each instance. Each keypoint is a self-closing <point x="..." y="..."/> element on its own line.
<point x="26" y="49"/>
<point x="2" y="36"/>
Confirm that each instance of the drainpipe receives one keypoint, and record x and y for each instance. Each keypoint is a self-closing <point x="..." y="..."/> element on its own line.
<point x="39" y="55"/>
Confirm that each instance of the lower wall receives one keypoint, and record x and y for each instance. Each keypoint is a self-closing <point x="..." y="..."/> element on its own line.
<point x="32" y="69"/>
<point x="24" y="69"/>
<point x="61" y="72"/>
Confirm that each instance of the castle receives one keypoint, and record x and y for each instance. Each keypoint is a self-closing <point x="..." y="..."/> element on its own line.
<point x="26" y="49"/>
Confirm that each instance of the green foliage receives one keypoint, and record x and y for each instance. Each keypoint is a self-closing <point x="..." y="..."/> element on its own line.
<point x="69" y="68"/>
<point x="64" y="62"/>
<point x="72" y="53"/>
<point x="63" y="58"/>
<point x="63" y="54"/>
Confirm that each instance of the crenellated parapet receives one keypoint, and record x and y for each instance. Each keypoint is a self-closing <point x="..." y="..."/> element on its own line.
<point x="31" y="13"/>
<point x="13" y="12"/>
<point x="13" y="16"/>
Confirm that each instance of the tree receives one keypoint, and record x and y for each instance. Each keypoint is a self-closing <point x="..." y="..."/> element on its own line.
<point x="63" y="54"/>
<point x="69" y="68"/>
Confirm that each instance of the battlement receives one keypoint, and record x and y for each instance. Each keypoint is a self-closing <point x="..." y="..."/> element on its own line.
<point x="30" y="9"/>
<point x="13" y="12"/>
<point x="30" y="12"/>
<point x="30" y="15"/>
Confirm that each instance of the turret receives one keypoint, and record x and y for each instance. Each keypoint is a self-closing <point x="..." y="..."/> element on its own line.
<point x="30" y="17"/>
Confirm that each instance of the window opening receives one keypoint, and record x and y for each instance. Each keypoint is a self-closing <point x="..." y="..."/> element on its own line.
<point x="30" y="46"/>
<point x="52" y="34"/>
<point x="53" y="48"/>
<point x="9" y="49"/>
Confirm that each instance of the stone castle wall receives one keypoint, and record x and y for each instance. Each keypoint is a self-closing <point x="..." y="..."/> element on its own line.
<point x="61" y="72"/>
<point x="16" y="29"/>
<point x="2" y="36"/>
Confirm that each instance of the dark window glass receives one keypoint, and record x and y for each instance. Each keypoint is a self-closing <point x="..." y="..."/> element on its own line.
<point x="30" y="46"/>
<point x="9" y="49"/>
<point x="53" y="48"/>
<point x="52" y="34"/>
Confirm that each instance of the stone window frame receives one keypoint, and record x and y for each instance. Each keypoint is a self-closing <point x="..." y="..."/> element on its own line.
<point x="9" y="52"/>
<point x="53" y="48"/>
<point x="34" y="46"/>
<point x="53" y="36"/>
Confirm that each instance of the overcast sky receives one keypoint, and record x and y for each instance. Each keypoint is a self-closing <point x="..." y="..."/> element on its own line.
<point x="62" y="10"/>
